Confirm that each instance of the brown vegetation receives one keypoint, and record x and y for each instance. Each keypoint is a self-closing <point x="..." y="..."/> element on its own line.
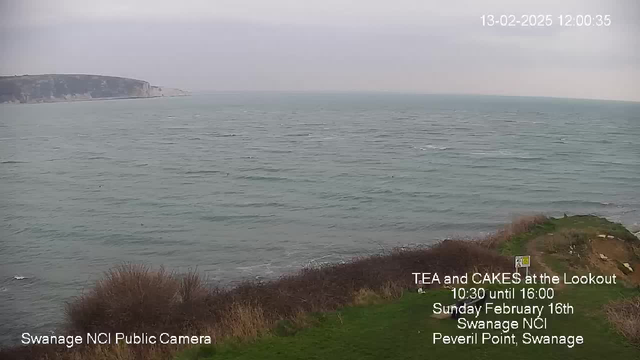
<point x="134" y="298"/>
<point x="625" y="317"/>
<point x="590" y="250"/>
<point x="567" y="241"/>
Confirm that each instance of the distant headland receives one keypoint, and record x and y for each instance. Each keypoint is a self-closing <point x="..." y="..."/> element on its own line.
<point x="77" y="87"/>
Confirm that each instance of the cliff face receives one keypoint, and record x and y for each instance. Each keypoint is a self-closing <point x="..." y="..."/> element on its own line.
<point x="160" y="91"/>
<point x="52" y="88"/>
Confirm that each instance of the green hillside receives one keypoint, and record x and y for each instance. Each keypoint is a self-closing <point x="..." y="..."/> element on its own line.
<point x="404" y="328"/>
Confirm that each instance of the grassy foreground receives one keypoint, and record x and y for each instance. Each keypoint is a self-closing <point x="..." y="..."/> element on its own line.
<point x="366" y="308"/>
<point x="403" y="328"/>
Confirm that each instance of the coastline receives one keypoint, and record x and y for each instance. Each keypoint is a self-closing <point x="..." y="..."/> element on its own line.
<point x="252" y="309"/>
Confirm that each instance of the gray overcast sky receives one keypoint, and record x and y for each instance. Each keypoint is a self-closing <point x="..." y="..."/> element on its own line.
<point x="392" y="45"/>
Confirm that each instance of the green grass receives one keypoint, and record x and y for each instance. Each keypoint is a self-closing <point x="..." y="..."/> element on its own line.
<point x="595" y="223"/>
<point x="588" y="224"/>
<point x="517" y="245"/>
<point x="403" y="328"/>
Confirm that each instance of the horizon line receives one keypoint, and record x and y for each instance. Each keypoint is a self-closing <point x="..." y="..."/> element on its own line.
<point x="399" y="92"/>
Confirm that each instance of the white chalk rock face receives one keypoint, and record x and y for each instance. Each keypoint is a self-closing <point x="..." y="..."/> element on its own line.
<point x="76" y="87"/>
<point x="159" y="91"/>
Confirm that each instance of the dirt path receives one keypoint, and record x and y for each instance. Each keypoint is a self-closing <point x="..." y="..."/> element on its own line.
<point x="536" y="258"/>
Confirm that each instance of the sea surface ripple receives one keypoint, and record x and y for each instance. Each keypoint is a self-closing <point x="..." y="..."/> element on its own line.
<point x="244" y="185"/>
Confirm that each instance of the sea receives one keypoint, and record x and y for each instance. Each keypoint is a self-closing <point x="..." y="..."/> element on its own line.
<point x="254" y="185"/>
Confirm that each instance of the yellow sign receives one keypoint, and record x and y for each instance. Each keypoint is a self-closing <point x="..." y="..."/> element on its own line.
<point x="523" y="261"/>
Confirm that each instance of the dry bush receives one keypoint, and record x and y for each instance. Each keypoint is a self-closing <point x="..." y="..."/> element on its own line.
<point x="192" y="287"/>
<point x="122" y="352"/>
<point x="245" y="321"/>
<point x="519" y="225"/>
<point x="625" y="317"/>
<point x="391" y="290"/>
<point x="92" y="352"/>
<point x="128" y="298"/>
<point x="566" y="240"/>
<point x="104" y="352"/>
<point x="133" y="298"/>
<point x="330" y="287"/>
<point x="302" y="320"/>
<point x="366" y="297"/>
<point x="33" y="352"/>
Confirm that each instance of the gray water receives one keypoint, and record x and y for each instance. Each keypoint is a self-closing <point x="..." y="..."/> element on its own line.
<point x="254" y="185"/>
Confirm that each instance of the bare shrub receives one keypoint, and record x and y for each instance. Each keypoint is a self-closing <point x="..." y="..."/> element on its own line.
<point x="391" y="290"/>
<point x="128" y="298"/>
<point x="192" y="287"/>
<point x="302" y="320"/>
<point x="566" y="240"/>
<point x="625" y="317"/>
<point x="135" y="298"/>
<point x="366" y="297"/>
<point x="245" y="321"/>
